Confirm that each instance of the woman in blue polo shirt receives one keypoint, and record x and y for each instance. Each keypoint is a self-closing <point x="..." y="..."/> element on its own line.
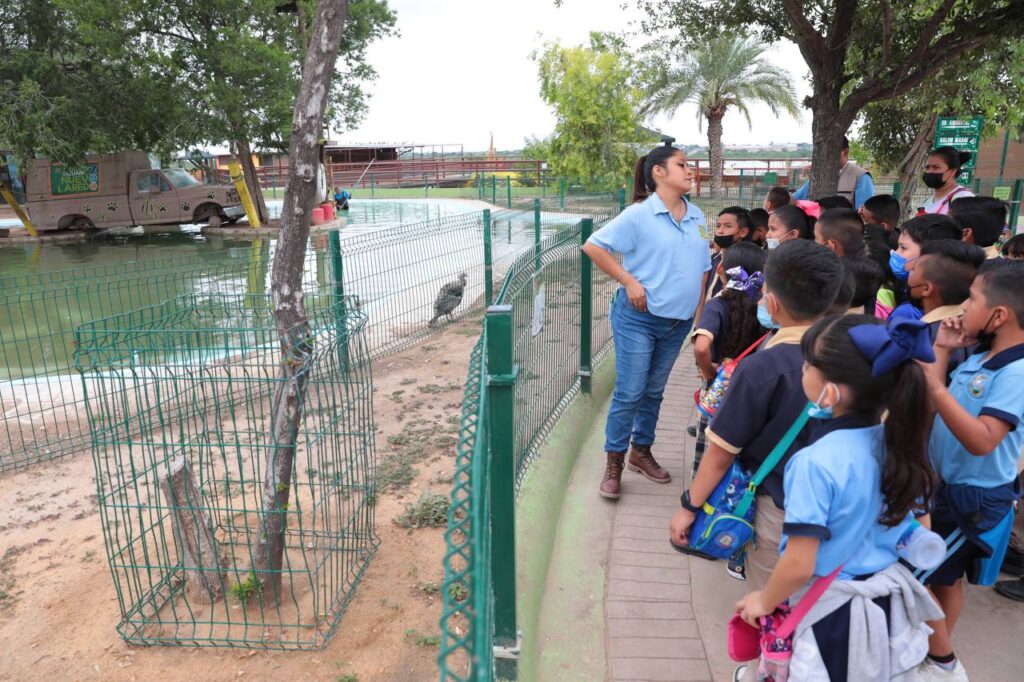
<point x="850" y="495"/>
<point x="665" y="264"/>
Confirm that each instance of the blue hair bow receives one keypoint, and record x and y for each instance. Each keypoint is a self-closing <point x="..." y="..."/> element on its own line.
<point x="741" y="281"/>
<point x="890" y="346"/>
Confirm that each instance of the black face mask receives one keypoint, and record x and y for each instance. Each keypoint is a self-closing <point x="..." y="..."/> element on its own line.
<point x="985" y="337"/>
<point x="725" y="241"/>
<point x="933" y="180"/>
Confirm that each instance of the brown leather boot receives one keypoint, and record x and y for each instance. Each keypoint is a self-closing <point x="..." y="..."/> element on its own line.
<point x="642" y="461"/>
<point x="611" y="484"/>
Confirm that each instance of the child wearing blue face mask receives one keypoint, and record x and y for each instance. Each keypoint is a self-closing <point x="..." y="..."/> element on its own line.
<point x="914" y="234"/>
<point x="850" y="498"/>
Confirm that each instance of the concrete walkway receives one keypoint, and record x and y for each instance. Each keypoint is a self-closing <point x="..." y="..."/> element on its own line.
<point x="666" y="613"/>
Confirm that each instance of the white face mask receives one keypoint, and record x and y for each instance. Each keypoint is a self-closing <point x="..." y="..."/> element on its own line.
<point x="772" y="243"/>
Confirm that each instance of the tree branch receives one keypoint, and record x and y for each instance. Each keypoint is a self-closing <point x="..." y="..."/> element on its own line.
<point x="805" y="35"/>
<point x="924" y="40"/>
<point x="886" y="33"/>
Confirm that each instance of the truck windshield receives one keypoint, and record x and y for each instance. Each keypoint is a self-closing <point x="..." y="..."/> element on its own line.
<point x="179" y="178"/>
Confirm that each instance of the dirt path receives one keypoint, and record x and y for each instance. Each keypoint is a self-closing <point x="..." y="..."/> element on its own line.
<point x="58" y="607"/>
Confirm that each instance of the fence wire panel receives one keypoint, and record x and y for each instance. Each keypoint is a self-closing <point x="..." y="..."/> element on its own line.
<point x="181" y="397"/>
<point x="39" y="393"/>
<point x="467" y="624"/>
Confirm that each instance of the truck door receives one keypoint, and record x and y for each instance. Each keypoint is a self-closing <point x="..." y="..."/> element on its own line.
<point x="153" y="199"/>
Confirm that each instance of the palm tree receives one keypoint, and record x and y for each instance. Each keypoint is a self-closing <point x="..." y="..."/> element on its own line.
<point x="729" y="71"/>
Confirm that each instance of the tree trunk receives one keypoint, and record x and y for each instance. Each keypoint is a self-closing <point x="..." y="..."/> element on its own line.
<point x="827" y="130"/>
<point x="911" y="165"/>
<point x="252" y="179"/>
<point x="204" y="579"/>
<point x="286" y="290"/>
<point x="715" y="152"/>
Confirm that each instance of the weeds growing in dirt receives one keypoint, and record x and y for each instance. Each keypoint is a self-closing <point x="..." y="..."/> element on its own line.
<point x="243" y="591"/>
<point x="430" y="511"/>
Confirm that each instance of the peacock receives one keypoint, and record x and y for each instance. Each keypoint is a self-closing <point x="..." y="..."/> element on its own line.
<point x="448" y="299"/>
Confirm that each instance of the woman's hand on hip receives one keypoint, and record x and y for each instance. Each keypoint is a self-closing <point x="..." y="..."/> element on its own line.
<point x="637" y="294"/>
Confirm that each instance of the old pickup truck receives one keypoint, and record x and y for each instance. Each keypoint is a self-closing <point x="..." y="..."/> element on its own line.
<point x="122" y="190"/>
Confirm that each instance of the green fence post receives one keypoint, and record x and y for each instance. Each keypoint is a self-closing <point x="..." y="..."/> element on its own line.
<point x="508" y="188"/>
<point x="536" y="236"/>
<point x="426" y="186"/>
<point x="739" y="192"/>
<point x="1015" y="199"/>
<point x="373" y="187"/>
<point x="501" y="403"/>
<point x="586" y="309"/>
<point x="494" y="189"/>
<point x="488" y="264"/>
<point x="896" y="187"/>
<point x="622" y="199"/>
<point x="338" y="276"/>
<point x="561" y="193"/>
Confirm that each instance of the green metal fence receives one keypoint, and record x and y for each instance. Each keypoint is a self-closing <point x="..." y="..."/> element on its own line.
<point x="541" y="338"/>
<point x="180" y="401"/>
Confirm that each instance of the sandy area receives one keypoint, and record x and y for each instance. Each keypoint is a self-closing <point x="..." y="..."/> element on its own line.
<point x="58" y="608"/>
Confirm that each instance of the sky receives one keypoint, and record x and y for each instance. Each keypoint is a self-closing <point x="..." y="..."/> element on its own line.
<point x="461" y="69"/>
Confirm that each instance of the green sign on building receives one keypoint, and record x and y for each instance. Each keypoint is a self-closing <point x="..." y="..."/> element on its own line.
<point x="962" y="142"/>
<point x="74" y="179"/>
<point x="964" y="135"/>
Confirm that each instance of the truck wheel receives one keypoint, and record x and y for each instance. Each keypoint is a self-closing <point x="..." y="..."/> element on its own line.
<point x="209" y="214"/>
<point x="214" y="220"/>
<point x="81" y="223"/>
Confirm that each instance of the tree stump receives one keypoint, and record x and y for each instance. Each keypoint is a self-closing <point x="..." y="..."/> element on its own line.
<point x="193" y="531"/>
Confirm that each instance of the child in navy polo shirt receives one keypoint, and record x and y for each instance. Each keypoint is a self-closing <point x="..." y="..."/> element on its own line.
<point x="765" y="395"/>
<point x="850" y="497"/>
<point x="975" y="445"/>
<point x="728" y="324"/>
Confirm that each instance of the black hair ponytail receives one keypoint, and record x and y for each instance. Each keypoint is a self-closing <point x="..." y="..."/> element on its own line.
<point x="794" y="218"/>
<point x="639" y="182"/>
<point x="658" y="156"/>
<point x="744" y="329"/>
<point x="908" y="480"/>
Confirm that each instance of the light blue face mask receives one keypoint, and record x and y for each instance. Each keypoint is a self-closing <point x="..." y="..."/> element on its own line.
<point x="765" y="318"/>
<point x="816" y="411"/>
<point x="898" y="265"/>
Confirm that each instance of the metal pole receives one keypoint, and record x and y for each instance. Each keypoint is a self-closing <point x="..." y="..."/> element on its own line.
<point x="1002" y="160"/>
<point x="896" y="187"/>
<point x="494" y="189"/>
<point x="536" y="236"/>
<point x="1015" y="199"/>
<point x="425" y="186"/>
<point x="501" y="388"/>
<point x="586" y="309"/>
<point x="373" y="187"/>
<point x="488" y="264"/>
<point x="561" y="193"/>
<point x="508" y="188"/>
<point x="340" y="313"/>
<point x="622" y="199"/>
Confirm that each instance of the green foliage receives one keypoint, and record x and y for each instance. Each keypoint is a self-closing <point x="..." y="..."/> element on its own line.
<point x="595" y="95"/>
<point x="244" y="591"/>
<point x="423" y="640"/>
<point x="458" y="591"/>
<point x="430" y="511"/>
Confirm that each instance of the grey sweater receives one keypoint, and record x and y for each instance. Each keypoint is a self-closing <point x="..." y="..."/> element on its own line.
<point x="877" y="652"/>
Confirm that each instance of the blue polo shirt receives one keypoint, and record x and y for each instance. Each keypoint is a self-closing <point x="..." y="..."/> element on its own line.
<point x="833" y="493"/>
<point x="668" y="258"/>
<point x="714" y="324"/>
<point x="993" y="387"/>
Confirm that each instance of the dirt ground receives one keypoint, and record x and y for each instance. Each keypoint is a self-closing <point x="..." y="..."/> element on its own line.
<point x="58" y="608"/>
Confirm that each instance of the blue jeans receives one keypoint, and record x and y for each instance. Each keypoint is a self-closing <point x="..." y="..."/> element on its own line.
<point x="646" y="347"/>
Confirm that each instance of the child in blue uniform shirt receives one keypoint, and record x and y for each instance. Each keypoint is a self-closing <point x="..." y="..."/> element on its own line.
<point x="975" y="445"/>
<point x="851" y="494"/>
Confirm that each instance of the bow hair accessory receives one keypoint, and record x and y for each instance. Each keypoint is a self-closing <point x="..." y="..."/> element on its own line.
<point x="811" y="208"/>
<point x="890" y="346"/>
<point x="741" y="281"/>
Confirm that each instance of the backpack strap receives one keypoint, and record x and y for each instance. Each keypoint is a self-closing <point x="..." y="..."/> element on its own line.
<point x="750" y="350"/>
<point x="773" y="458"/>
<point x="811" y="597"/>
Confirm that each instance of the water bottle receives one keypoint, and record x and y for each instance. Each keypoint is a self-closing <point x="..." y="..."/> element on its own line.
<point x="921" y="547"/>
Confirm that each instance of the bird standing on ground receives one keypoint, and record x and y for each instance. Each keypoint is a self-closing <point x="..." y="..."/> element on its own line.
<point x="448" y="299"/>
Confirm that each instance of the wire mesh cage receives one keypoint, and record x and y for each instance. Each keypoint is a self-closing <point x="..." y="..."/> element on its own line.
<point x="187" y="449"/>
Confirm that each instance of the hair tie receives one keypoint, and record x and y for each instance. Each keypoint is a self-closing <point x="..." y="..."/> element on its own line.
<point x="890" y="346"/>
<point x="811" y="208"/>
<point x="741" y="281"/>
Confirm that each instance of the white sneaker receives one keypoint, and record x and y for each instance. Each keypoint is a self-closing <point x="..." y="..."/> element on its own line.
<point x="930" y="670"/>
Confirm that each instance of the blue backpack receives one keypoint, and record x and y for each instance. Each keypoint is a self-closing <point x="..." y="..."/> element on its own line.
<point x="725" y="524"/>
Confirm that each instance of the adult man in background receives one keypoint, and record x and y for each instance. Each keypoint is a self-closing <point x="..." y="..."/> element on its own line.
<point x="855" y="183"/>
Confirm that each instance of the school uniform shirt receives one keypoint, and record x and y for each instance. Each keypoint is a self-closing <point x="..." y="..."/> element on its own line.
<point x="833" y="493"/>
<point x="992" y="387"/>
<point x="714" y="324"/>
<point x="765" y="397"/>
<point x="668" y="258"/>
